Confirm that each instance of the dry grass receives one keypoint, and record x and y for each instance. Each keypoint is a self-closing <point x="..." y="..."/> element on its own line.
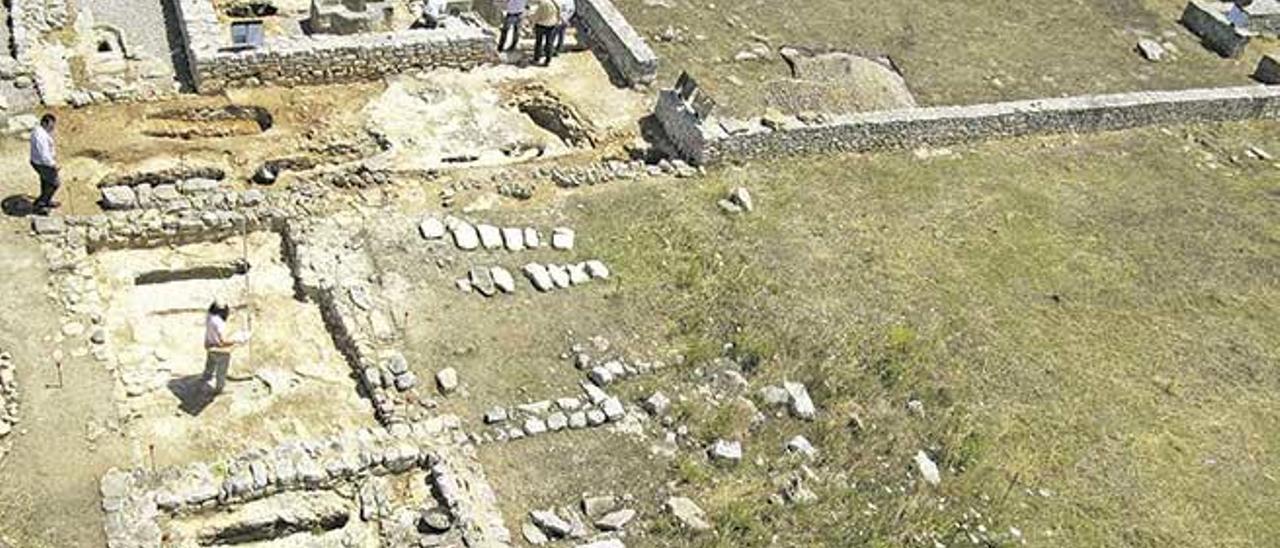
<point x="1090" y="323"/>
<point x="949" y="52"/>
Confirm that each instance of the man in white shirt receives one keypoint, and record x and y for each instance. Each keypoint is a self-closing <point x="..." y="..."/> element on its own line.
<point x="567" y="9"/>
<point x="218" y="345"/>
<point x="44" y="159"/>
<point x="511" y="23"/>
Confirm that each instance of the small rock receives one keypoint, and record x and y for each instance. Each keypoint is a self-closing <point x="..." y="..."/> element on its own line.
<point x="774" y="396"/>
<point x="539" y="277"/>
<point x="436" y="520"/>
<point x="532" y="534"/>
<point x="495" y="415"/>
<point x="916" y="407"/>
<point x="726" y="451"/>
<point x="597" y="270"/>
<point x="447" y="380"/>
<point x="801" y="406"/>
<point x="513" y="238"/>
<point x="1151" y="50"/>
<point x="99" y="336"/>
<point x="557" y="421"/>
<point x="742" y="198"/>
<point x="729" y="207"/>
<point x="578" y="420"/>
<point x="490" y="236"/>
<point x="687" y="513"/>
<point x="431" y="228"/>
<point x="562" y="238"/>
<point x="800" y="445"/>
<point x="597" y="506"/>
<point x="550" y="523"/>
<point x="613" y="409"/>
<point x="928" y="469"/>
<point x="465" y="236"/>
<point x="406" y="381"/>
<point x="657" y="404"/>
<point x="534" y="426"/>
<point x="502" y="279"/>
<point x="531" y="238"/>
<point x="578" y="274"/>
<point x="119" y="197"/>
<point x="615" y="521"/>
<point x="559" y="275"/>
<point x="482" y="281"/>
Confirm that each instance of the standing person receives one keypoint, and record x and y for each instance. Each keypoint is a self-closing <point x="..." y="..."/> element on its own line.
<point x="546" y="19"/>
<point x="218" y="345"/>
<point x="511" y="23"/>
<point x="567" y="9"/>
<point x="44" y="159"/>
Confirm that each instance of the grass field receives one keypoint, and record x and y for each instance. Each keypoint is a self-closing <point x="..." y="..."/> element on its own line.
<point x="1090" y="323"/>
<point x="949" y="52"/>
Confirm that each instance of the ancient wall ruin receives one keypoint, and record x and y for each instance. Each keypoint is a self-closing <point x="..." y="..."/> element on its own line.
<point x="712" y="140"/>
<point x="308" y="60"/>
<point x="609" y="33"/>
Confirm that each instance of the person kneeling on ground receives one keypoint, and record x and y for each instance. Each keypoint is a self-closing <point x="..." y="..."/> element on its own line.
<point x="218" y="345"/>
<point x="546" y="19"/>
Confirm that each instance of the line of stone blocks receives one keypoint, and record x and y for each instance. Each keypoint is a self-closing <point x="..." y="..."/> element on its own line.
<point x="718" y="140"/>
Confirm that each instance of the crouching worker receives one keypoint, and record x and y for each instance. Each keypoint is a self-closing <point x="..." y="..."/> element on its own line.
<point x="218" y="345"/>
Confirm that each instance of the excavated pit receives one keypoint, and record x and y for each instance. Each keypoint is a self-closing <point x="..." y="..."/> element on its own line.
<point x="554" y="115"/>
<point x="208" y="122"/>
<point x="290" y="380"/>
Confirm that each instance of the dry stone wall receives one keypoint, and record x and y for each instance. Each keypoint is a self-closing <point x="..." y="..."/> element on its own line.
<point x="308" y="60"/>
<point x="716" y="140"/>
<point x="609" y="33"/>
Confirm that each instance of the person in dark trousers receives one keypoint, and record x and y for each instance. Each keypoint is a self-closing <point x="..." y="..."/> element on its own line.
<point x="218" y="345"/>
<point x="567" y="9"/>
<point x="546" y="19"/>
<point x="44" y="159"/>
<point x="511" y="24"/>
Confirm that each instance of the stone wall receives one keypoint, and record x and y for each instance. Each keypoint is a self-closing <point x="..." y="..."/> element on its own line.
<point x="1208" y="21"/>
<point x="609" y="34"/>
<point x="718" y="140"/>
<point x="305" y="60"/>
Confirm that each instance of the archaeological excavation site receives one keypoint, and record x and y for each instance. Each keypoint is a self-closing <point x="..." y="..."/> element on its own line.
<point x="639" y="273"/>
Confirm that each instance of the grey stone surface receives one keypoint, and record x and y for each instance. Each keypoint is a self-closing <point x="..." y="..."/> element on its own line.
<point x="687" y="513"/>
<point x="613" y="409"/>
<point x="800" y="445"/>
<point x="726" y="451"/>
<point x="490" y="236"/>
<point x="447" y="380"/>
<point x="563" y="238"/>
<point x="657" y="404"/>
<point x="431" y="228"/>
<point x="119" y="197"/>
<point x="465" y="236"/>
<point x="615" y="521"/>
<point x="539" y="277"/>
<point x="550" y="523"/>
<point x="502" y="279"/>
<point x="607" y="31"/>
<point x="597" y="269"/>
<point x="801" y="406"/>
<point x="513" y="238"/>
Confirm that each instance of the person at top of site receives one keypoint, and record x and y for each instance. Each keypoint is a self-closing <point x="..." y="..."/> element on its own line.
<point x="546" y="19"/>
<point x="567" y="9"/>
<point x="511" y="23"/>
<point x="218" y="344"/>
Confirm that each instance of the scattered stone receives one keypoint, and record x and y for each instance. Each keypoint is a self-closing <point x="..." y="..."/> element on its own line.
<point x="562" y="238"/>
<point x="550" y="523"/>
<point x="436" y="520"/>
<point x="613" y="409"/>
<point x="729" y="207"/>
<point x="578" y="420"/>
<point x="502" y="279"/>
<point x="615" y="521"/>
<point x="687" y="513"/>
<point x="597" y="270"/>
<point x="742" y="198"/>
<point x="1151" y="50"/>
<point x="534" y="426"/>
<point x="596" y="417"/>
<point x="447" y="380"/>
<point x="657" y="404"/>
<point x="465" y="236"/>
<point x="539" y="277"/>
<point x="928" y="469"/>
<point x="532" y="534"/>
<point x="406" y="381"/>
<point x="601" y="375"/>
<point x="496" y="415"/>
<point x="599" y="505"/>
<point x="557" y="421"/>
<point x="774" y="396"/>
<point x="431" y="228"/>
<point x="800" y="445"/>
<point x="916" y="407"/>
<point x="513" y="238"/>
<point x="726" y="451"/>
<point x="482" y="281"/>
<point x="801" y="406"/>
<point x="490" y="236"/>
<point x="559" y="275"/>
<point x="99" y="336"/>
<point x="578" y="274"/>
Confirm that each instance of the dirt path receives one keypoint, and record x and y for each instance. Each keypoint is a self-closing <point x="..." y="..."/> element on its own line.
<point x="48" y="482"/>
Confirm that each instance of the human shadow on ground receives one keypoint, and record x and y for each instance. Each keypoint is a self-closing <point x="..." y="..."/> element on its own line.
<point x="18" y="205"/>
<point x="193" y="392"/>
